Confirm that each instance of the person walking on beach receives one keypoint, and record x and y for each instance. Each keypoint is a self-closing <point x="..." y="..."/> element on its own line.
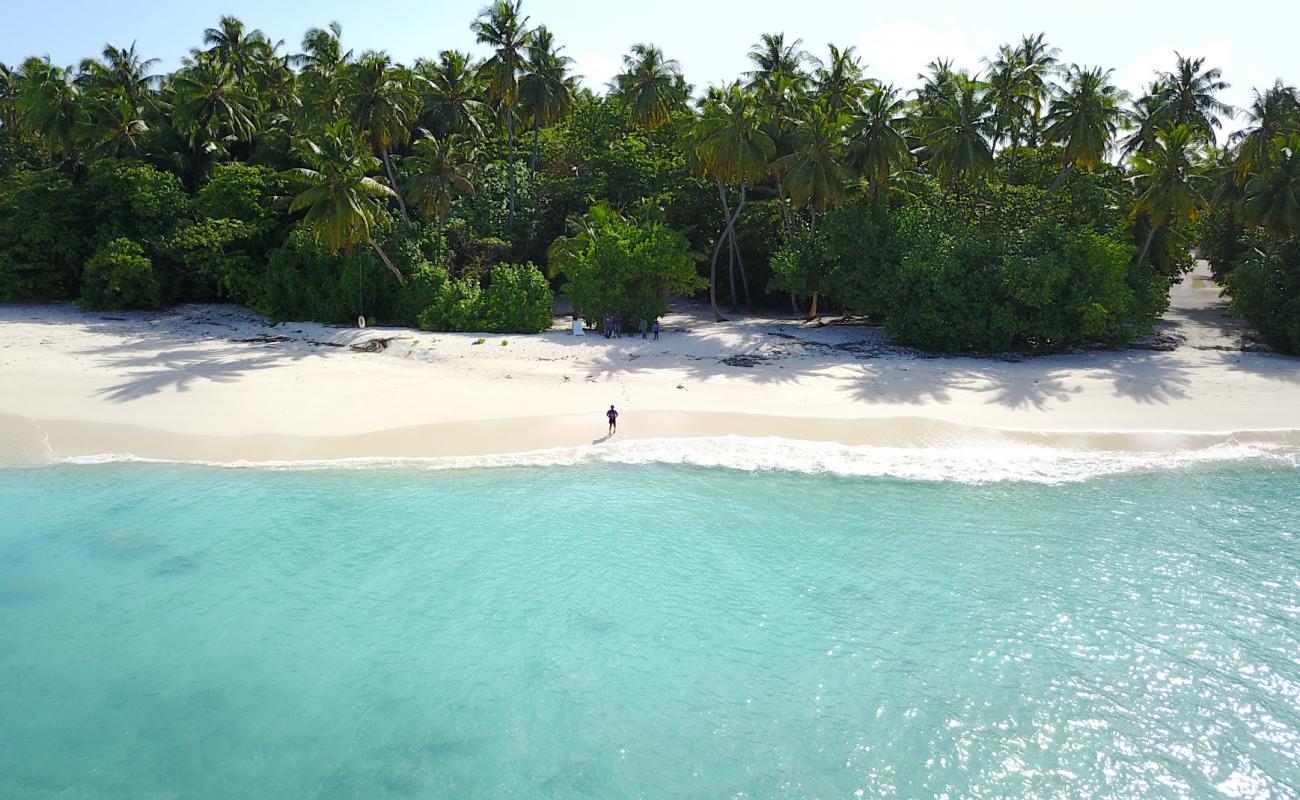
<point x="655" y="327"/>
<point x="641" y="326"/>
<point x="612" y="416"/>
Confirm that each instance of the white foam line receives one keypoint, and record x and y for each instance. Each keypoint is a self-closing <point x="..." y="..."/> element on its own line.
<point x="971" y="463"/>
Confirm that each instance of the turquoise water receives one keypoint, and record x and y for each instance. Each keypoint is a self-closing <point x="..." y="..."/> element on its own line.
<point x="646" y="631"/>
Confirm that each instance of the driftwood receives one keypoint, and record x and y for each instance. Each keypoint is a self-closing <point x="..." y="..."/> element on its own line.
<point x="373" y="345"/>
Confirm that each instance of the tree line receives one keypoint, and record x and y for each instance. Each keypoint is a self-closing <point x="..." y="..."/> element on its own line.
<point x="1031" y="203"/>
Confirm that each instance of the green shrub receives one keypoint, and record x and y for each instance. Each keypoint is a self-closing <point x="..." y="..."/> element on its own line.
<point x="42" y="244"/>
<point x="458" y="307"/>
<point x="518" y="300"/>
<point x="1265" y="289"/>
<point x="120" y="276"/>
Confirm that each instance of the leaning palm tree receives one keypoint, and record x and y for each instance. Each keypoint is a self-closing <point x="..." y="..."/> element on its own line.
<point x="344" y="204"/>
<point x="437" y="171"/>
<point x="649" y="87"/>
<point x="1083" y="120"/>
<point x="379" y="104"/>
<point x="546" y="90"/>
<point x="1169" y="181"/>
<point x="502" y="27"/>
<point x="877" y="138"/>
<point x="1273" y="193"/>
<point x="958" y="134"/>
<point x="728" y="145"/>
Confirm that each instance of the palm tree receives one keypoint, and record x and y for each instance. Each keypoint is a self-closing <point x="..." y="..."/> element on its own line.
<point x="958" y="134"/>
<point x="1273" y="193"/>
<point x="650" y="87"/>
<point x="838" y="81"/>
<point x="114" y="127"/>
<point x="1272" y="115"/>
<point x="122" y="70"/>
<point x="1011" y="93"/>
<point x="502" y="27"/>
<point x="233" y="44"/>
<point x="1038" y="62"/>
<point x="379" y="104"/>
<point x="1145" y="118"/>
<point x="1083" y="120"/>
<point x="1189" y="97"/>
<point x="816" y="173"/>
<point x="1169" y="181"/>
<point x="210" y="102"/>
<point x="545" y="90"/>
<point x="437" y="171"/>
<point x="450" y="89"/>
<point x="344" y="205"/>
<point x="8" y="98"/>
<point x="729" y="145"/>
<point x="772" y="57"/>
<point x="322" y="63"/>
<point x="49" y="104"/>
<point x="877" y="146"/>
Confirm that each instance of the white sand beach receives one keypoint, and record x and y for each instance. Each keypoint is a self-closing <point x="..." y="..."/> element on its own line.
<point x="211" y="382"/>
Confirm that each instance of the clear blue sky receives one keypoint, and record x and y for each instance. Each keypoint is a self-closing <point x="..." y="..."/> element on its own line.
<point x="711" y="37"/>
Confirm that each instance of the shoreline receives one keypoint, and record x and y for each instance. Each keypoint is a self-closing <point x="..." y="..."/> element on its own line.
<point x="219" y="384"/>
<point x="661" y="434"/>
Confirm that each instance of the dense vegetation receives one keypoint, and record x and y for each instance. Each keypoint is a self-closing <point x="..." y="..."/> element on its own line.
<point x="1031" y="205"/>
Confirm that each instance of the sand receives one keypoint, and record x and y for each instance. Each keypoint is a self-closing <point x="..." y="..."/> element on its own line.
<point x="218" y="383"/>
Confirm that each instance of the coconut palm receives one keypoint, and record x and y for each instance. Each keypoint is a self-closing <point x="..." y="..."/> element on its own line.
<point x="838" y="81"/>
<point x="545" y="89"/>
<point x="450" y="89"/>
<point x="502" y="27"/>
<point x="322" y="64"/>
<point x="113" y="128"/>
<point x="49" y="104"/>
<point x="773" y="57"/>
<point x="1083" y="120"/>
<point x="344" y="205"/>
<point x="1169" y="180"/>
<point x="730" y="146"/>
<point x="210" y="102"/>
<point x="1011" y="94"/>
<point x="1273" y="114"/>
<point x="8" y="98"/>
<point x="1273" y="193"/>
<point x="380" y="105"/>
<point x="650" y="87"/>
<point x="1145" y="118"/>
<point x="1188" y="97"/>
<point x="123" y="70"/>
<point x="437" y="171"/>
<point x="958" y="134"/>
<point x="1038" y="63"/>
<point x="877" y="137"/>
<point x="816" y="174"/>
<point x="233" y="44"/>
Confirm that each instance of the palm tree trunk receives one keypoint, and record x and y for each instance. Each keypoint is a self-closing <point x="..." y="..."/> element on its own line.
<point x="731" y="249"/>
<point x="812" y="311"/>
<point x="510" y="159"/>
<point x="812" y="230"/>
<point x="713" y="277"/>
<point x="1060" y="179"/>
<point x="384" y="257"/>
<point x="392" y="180"/>
<point x="537" y="132"/>
<point x="744" y="280"/>
<point x="1151" y="234"/>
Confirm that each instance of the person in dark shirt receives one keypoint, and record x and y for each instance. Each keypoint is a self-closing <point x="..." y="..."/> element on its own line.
<point x="612" y="416"/>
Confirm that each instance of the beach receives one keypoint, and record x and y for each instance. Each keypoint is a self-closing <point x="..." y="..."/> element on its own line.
<point x="218" y="383"/>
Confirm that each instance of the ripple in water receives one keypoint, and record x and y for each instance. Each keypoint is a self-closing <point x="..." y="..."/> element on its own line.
<point x="644" y="630"/>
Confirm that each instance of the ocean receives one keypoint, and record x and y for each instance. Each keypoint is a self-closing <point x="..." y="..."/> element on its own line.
<point x="634" y="628"/>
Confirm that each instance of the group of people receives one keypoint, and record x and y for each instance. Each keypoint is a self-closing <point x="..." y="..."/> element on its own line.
<point x="612" y="325"/>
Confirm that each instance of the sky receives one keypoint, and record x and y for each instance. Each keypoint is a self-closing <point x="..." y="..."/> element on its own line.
<point x="710" y="38"/>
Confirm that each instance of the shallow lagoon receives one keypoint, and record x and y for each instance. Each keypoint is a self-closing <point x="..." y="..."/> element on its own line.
<point x="646" y="630"/>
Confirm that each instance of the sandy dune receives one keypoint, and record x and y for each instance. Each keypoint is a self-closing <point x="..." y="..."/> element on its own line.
<point x="217" y="382"/>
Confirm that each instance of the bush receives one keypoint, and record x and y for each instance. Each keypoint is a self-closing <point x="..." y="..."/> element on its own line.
<point x="1265" y="290"/>
<point x="120" y="276"/>
<point x="42" y="248"/>
<point x="518" y="300"/>
<point x="458" y="307"/>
